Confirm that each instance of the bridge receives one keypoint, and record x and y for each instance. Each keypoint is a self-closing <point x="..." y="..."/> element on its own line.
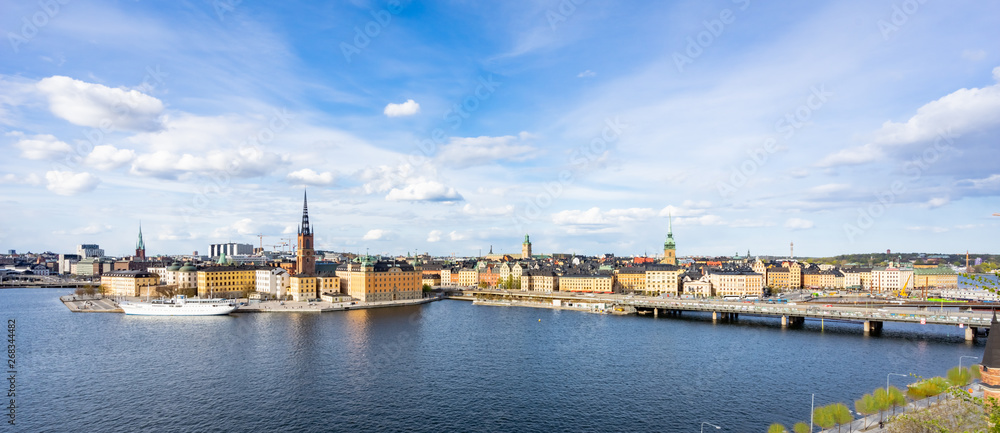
<point x="871" y="316"/>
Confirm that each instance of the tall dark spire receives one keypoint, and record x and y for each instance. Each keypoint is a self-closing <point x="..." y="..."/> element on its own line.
<point x="304" y="229"/>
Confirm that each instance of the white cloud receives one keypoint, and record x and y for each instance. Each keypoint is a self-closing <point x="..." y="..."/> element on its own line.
<point x="309" y="177"/>
<point x="594" y="216"/>
<point x="41" y="146"/>
<point x="829" y="188"/>
<point x="70" y="183"/>
<point x="470" y="209"/>
<point x="586" y="74"/>
<point x="465" y="152"/>
<point x="248" y="227"/>
<point x="108" y="157"/>
<point x="425" y="190"/>
<point x="434" y="236"/>
<point x="989" y="183"/>
<point x="958" y="113"/>
<point x="31" y="179"/>
<point x="685" y="211"/>
<point x="246" y="162"/>
<point x="745" y="223"/>
<point x="374" y="234"/>
<point x="937" y="202"/>
<point x="91" y="229"/>
<point x="798" y="224"/>
<point x="456" y="236"/>
<point x="704" y="220"/>
<point x="408" y="108"/>
<point x="99" y="106"/>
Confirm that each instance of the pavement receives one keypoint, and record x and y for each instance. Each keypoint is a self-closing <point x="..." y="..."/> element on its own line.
<point x="90" y="304"/>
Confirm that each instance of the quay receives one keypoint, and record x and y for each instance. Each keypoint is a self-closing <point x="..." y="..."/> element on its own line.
<point x="99" y="304"/>
<point x="871" y="316"/>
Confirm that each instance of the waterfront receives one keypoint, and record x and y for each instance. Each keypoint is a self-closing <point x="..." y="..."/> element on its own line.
<point x="446" y="365"/>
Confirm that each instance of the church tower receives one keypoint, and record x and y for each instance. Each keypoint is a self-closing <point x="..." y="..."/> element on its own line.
<point x="669" y="247"/>
<point x="305" y="261"/>
<point x="526" y="248"/>
<point x="989" y="368"/>
<point x="140" y="246"/>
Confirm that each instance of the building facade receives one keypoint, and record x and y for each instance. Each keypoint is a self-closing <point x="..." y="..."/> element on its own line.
<point x="129" y="283"/>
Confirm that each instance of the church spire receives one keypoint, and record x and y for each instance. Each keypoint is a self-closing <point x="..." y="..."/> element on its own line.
<point x="304" y="228"/>
<point x="140" y="246"/>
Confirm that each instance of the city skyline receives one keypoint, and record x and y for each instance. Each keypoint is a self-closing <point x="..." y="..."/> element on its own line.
<point x="846" y="127"/>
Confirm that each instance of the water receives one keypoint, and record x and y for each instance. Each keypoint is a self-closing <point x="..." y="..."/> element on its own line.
<point x="444" y="366"/>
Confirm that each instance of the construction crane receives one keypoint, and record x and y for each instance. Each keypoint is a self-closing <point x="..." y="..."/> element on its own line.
<point x="260" y="239"/>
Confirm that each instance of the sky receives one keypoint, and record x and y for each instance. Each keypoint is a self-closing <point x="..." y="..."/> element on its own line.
<point x="454" y="127"/>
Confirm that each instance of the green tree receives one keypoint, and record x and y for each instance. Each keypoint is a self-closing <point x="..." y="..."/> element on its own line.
<point x="801" y="427"/>
<point x="896" y="398"/>
<point x="841" y="414"/>
<point x="974" y="370"/>
<point x="866" y="406"/>
<point x="958" y="376"/>
<point x="823" y="417"/>
<point x="777" y="428"/>
<point x="426" y="287"/>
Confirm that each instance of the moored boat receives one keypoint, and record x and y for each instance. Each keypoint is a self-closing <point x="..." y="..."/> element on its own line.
<point x="179" y="305"/>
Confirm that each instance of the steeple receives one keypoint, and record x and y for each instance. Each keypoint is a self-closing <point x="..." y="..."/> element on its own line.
<point x="304" y="228"/>
<point x="669" y="244"/>
<point x="140" y="246"/>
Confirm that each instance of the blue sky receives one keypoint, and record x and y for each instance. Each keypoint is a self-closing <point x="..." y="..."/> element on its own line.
<point x="448" y="127"/>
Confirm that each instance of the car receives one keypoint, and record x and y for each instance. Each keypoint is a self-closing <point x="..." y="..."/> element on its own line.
<point x="827" y="305"/>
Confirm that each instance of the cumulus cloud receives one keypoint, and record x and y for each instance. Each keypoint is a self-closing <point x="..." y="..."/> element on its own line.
<point x="456" y="236"/>
<point x="703" y="220"/>
<point x="963" y="111"/>
<point x="70" y="183"/>
<point x="108" y="157"/>
<point x="462" y="152"/>
<point x="828" y="189"/>
<point x="434" y="236"/>
<point x="595" y="217"/>
<point x="41" y="146"/>
<point x="408" y="108"/>
<point x="96" y="105"/>
<point x="424" y="190"/>
<point x="309" y="177"/>
<point x="246" y="162"/>
<point x="687" y="210"/>
<point x="374" y="234"/>
<point x="247" y="227"/>
<point x="798" y="224"/>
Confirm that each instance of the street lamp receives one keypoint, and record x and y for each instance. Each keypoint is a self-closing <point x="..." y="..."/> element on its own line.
<point x="895" y="374"/>
<point x="703" y="426"/>
<point x="960" y="360"/>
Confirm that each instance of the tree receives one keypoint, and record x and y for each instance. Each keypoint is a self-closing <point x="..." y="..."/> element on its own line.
<point x="247" y="289"/>
<point x="865" y="406"/>
<point x="958" y="376"/>
<point x="426" y="287"/>
<point x="801" y="427"/>
<point x="896" y="398"/>
<point x="777" y="428"/>
<point x="841" y="414"/>
<point x="823" y="417"/>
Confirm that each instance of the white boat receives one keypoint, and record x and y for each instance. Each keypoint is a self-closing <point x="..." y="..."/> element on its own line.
<point x="180" y="305"/>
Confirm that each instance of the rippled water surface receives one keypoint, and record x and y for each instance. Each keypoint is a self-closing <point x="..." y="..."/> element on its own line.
<point x="444" y="366"/>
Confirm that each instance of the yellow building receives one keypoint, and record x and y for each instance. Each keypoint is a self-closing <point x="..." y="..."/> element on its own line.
<point x="934" y="277"/>
<point x="371" y="281"/>
<point x="630" y="279"/>
<point x="129" y="283"/>
<point x="663" y="279"/>
<point x="227" y="281"/>
<point x="778" y="277"/>
<point x="544" y="281"/>
<point x="737" y="283"/>
<point x="468" y="277"/>
<point x="586" y="283"/>
<point x="303" y="288"/>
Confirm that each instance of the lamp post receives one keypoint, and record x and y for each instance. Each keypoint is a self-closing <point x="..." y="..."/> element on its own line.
<point x="960" y="360"/>
<point x="812" y="409"/>
<point x="893" y="374"/>
<point x="703" y="426"/>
